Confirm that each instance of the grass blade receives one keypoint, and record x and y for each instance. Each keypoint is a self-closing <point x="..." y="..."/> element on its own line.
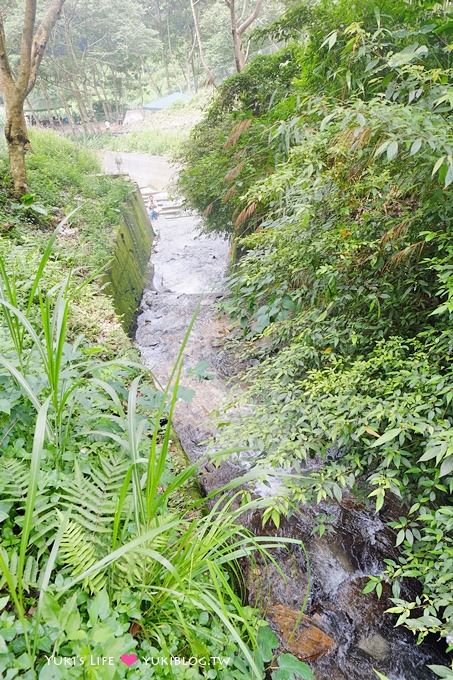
<point x="35" y="464"/>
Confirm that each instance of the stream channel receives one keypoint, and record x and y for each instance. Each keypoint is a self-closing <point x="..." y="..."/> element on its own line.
<point x="344" y="634"/>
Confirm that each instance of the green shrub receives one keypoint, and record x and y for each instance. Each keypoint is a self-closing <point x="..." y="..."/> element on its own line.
<point x="338" y="191"/>
<point x="153" y="141"/>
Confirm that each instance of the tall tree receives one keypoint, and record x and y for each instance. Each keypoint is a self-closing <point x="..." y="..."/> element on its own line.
<point x="239" y="25"/>
<point x="16" y="86"/>
<point x="97" y="58"/>
<point x="196" y="24"/>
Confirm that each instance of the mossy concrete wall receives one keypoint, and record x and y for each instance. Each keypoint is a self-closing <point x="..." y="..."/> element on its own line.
<point x="128" y="272"/>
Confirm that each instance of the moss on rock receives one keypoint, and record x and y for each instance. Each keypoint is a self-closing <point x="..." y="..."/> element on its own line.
<point x="127" y="274"/>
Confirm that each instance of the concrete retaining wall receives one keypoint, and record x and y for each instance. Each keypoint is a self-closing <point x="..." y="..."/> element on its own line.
<point x="128" y="272"/>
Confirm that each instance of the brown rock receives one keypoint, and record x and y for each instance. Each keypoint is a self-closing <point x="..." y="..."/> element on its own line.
<point x="299" y="634"/>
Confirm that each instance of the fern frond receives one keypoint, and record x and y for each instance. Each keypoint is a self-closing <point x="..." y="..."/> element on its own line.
<point x="91" y="497"/>
<point x="77" y="554"/>
<point x="14" y="475"/>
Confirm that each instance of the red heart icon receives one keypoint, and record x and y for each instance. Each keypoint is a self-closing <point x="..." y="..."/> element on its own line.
<point x="129" y="659"/>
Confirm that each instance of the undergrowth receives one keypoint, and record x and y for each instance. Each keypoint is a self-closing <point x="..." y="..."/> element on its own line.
<point x="110" y="567"/>
<point x="334" y="180"/>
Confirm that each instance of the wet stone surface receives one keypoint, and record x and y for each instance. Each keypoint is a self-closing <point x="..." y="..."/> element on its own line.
<point x="345" y="634"/>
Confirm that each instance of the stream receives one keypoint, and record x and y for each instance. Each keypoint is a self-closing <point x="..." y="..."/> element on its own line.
<point x="344" y="634"/>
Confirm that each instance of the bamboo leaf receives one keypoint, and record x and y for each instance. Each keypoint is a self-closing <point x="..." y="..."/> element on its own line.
<point x="386" y="437"/>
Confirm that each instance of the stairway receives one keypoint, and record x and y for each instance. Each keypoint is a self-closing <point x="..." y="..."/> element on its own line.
<point x="169" y="208"/>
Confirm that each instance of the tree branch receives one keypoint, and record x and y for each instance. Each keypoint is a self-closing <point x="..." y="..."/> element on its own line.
<point x="200" y="44"/>
<point x="26" y="47"/>
<point x="250" y="19"/>
<point x="41" y="39"/>
<point x="6" y="76"/>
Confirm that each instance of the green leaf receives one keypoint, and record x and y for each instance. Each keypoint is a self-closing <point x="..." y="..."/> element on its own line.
<point x="267" y="641"/>
<point x="442" y="671"/>
<point x="380" y="501"/>
<point x="5" y="406"/>
<point x="407" y="55"/>
<point x="437" y="165"/>
<point x="203" y="618"/>
<point x="370" y="586"/>
<point x="400" y="537"/>
<point x="99" y="607"/>
<point x="330" y="40"/>
<point x="416" y="146"/>
<point x="186" y="394"/>
<point x="292" y="668"/>
<point x="382" y="148"/>
<point x="392" y="150"/>
<point x="50" y="610"/>
<point x="32" y="491"/>
<point x="386" y="437"/>
<point x="325" y="121"/>
<point x="449" y="176"/>
<point x="39" y="209"/>
<point x="447" y="466"/>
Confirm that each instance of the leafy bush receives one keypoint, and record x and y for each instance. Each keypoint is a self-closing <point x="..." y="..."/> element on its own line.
<point x="338" y="193"/>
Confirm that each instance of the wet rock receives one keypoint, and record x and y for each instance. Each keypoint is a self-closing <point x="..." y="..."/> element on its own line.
<point x="269" y="585"/>
<point x="365" y="538"/>
<point x="374" y="645"/>
<point x="305" y="640"/>
<point x="362" y="609"/>
<point x="332" y="564"/>
<point x="351" y="502"/>
<point x="212" y="477"/>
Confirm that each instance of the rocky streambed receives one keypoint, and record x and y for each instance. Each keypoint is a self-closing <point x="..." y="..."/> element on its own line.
<point x="343" y="633"/>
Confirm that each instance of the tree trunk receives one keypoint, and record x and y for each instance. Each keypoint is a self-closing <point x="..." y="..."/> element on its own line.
<point x="238" y="28"/>
<point x="18" y="143"/>
<point x="239" y="56"/>
<point x="196" y="25"/>
<point x="68" y="111"/>
<point x="192" y="62"/>
<point x="106" y="98"/>
<point x="48" y="102"/>
<point x="15" y="89"/>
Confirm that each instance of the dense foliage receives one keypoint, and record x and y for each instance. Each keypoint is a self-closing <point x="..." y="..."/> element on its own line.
<point x="105" y="549"/>
<point x="333" y="176"/>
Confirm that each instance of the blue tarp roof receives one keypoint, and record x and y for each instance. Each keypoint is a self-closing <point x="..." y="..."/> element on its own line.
<point x="167" y="101"/>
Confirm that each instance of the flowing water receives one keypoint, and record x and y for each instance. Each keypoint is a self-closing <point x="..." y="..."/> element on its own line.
<point x="338" y="566"/>
<point x="187" y="274"/>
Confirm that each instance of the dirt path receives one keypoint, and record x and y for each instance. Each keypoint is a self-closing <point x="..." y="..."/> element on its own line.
<point x="188" y="271"/>
<point x="150" y="172"/>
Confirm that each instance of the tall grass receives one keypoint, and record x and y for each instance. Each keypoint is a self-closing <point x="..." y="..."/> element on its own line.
<point x="175" y="559"/>
<point x="154" y="141"/>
